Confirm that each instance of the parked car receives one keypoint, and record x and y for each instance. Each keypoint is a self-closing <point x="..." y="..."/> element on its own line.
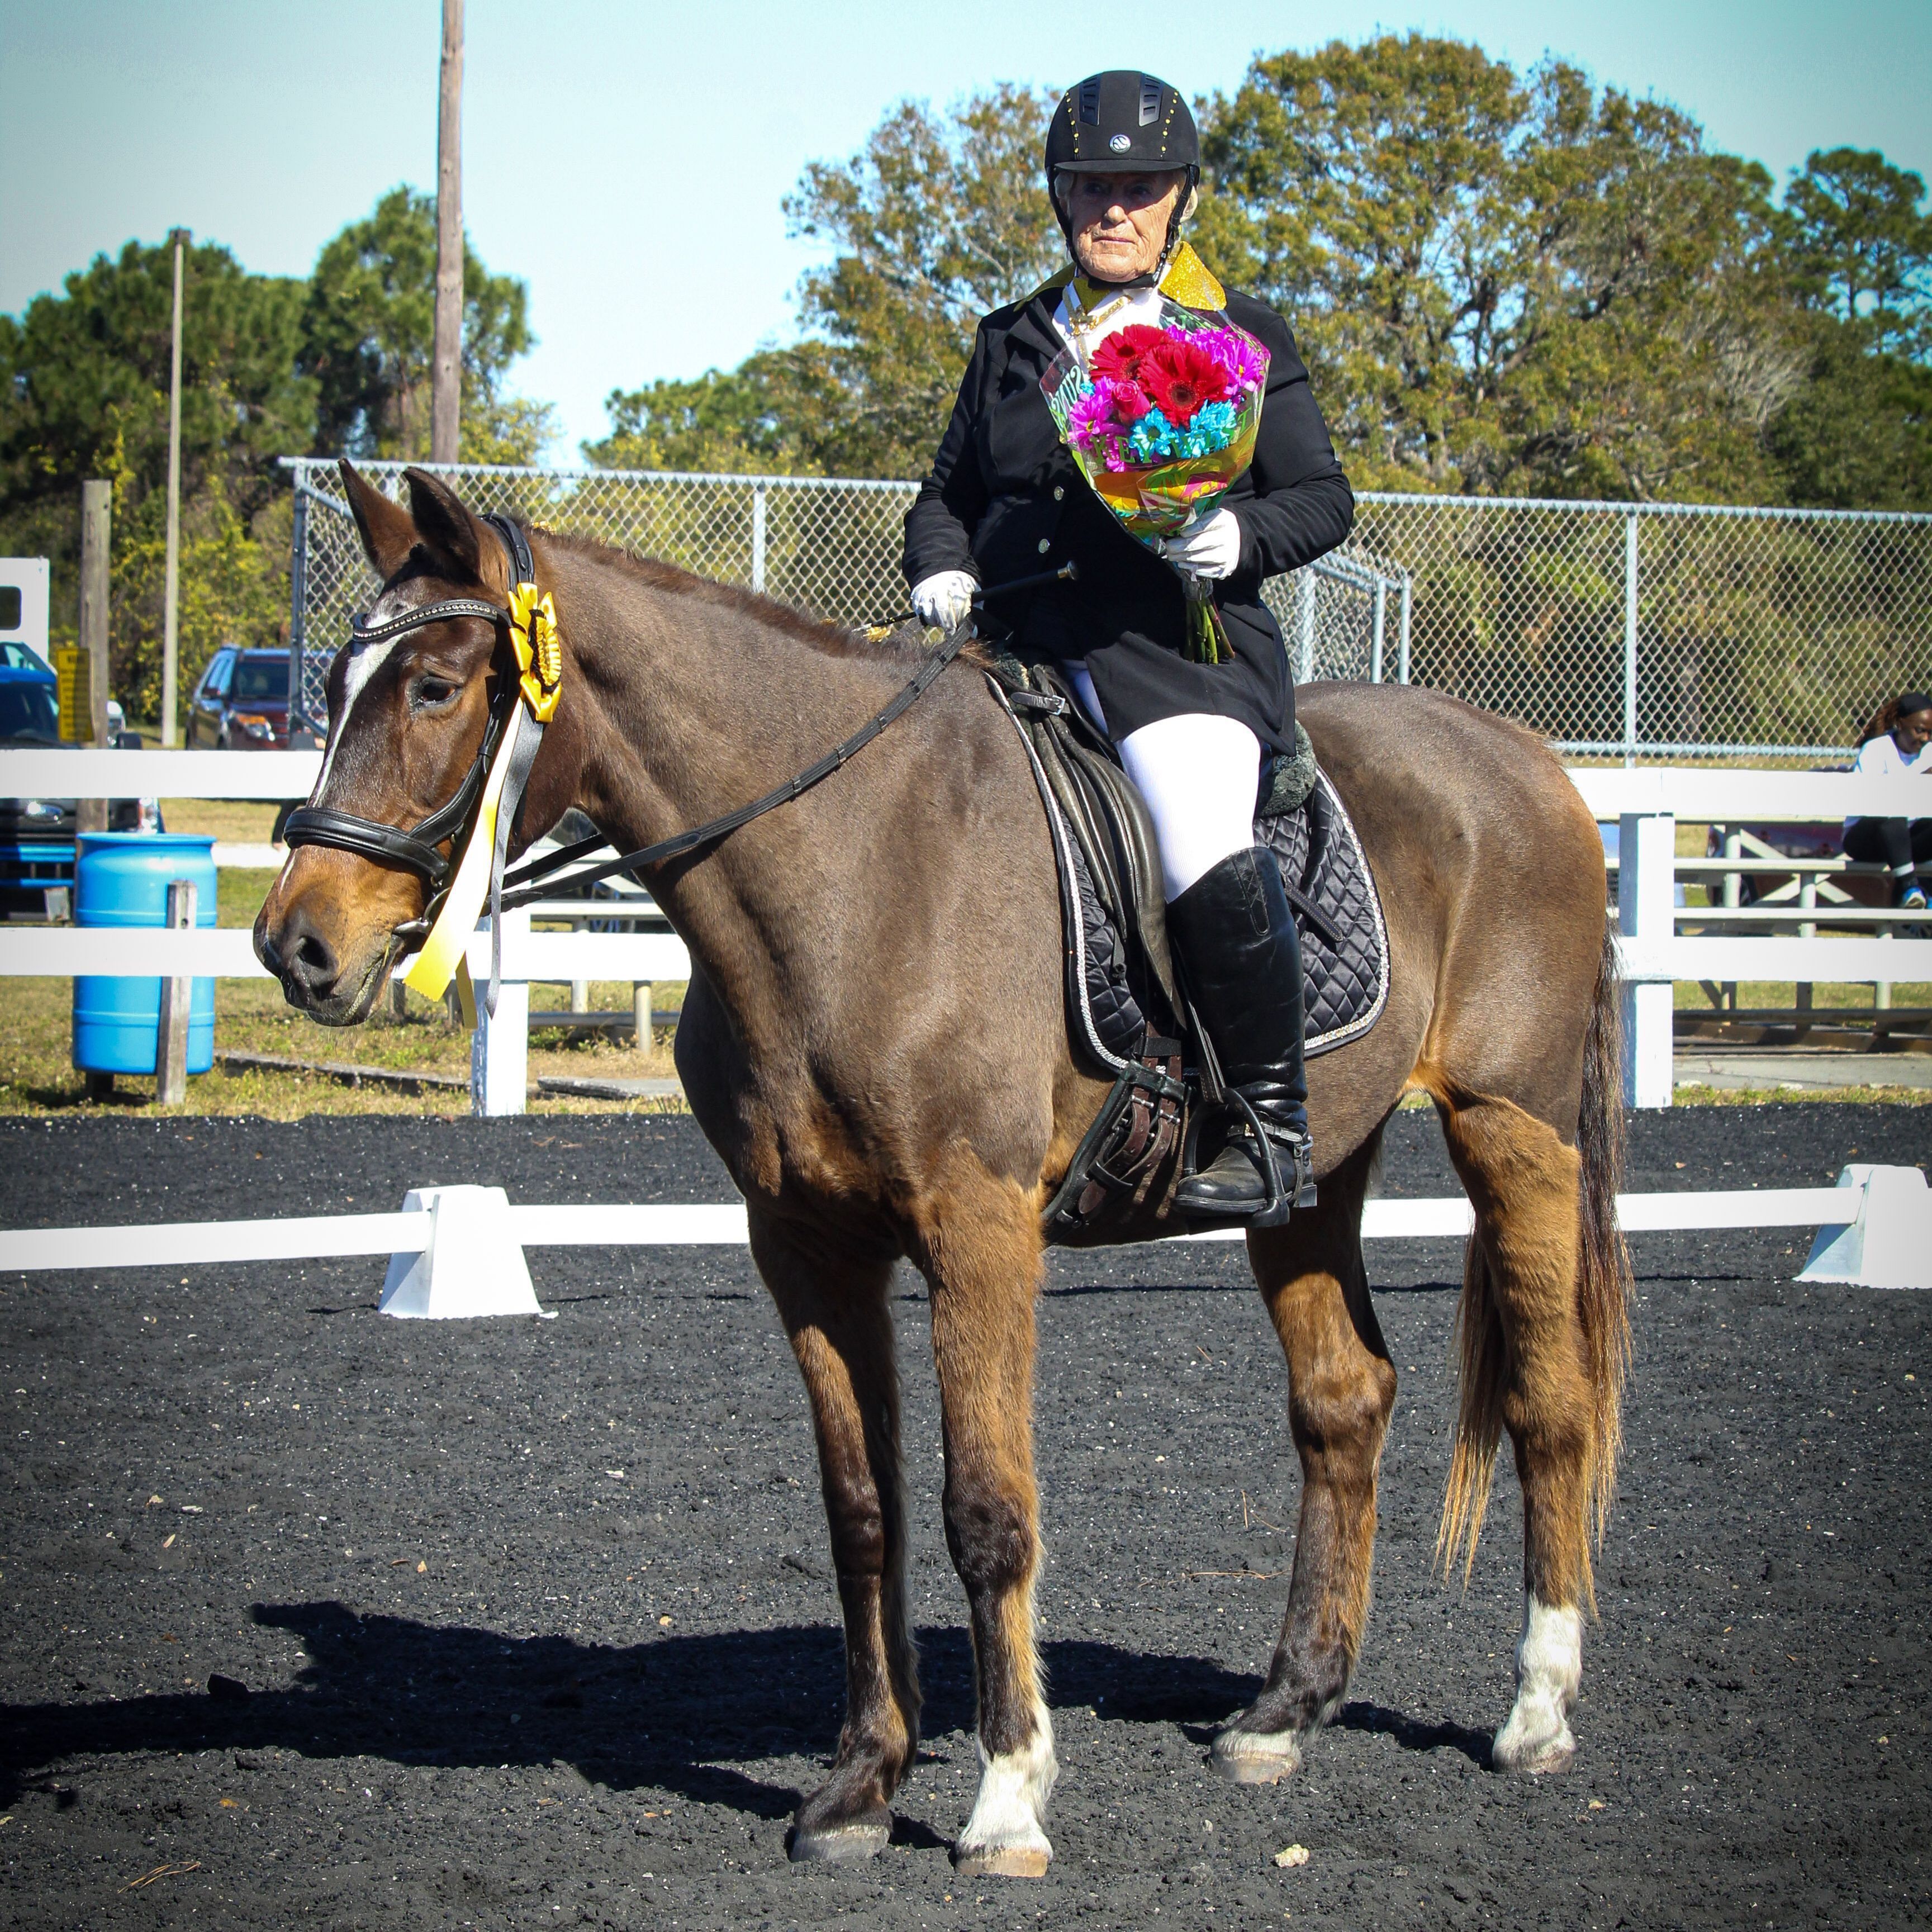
<point x="37" y="835"/>
<point x="242" y="704"/>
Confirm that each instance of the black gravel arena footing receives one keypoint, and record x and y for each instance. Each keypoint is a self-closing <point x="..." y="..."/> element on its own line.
<point x="312" y="1617"/>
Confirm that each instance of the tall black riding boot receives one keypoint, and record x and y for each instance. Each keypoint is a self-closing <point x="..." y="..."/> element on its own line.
<point x="1241" y="956"/>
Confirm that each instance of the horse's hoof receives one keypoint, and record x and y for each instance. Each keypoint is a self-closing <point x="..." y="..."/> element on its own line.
<point x="1533" y="1743"/>
<point x="1256" y="1757"/>
<point x="850" y="1844"/>
<point x="1017" y="1861"/>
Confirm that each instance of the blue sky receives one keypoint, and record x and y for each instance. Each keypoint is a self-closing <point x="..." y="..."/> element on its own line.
<point x="628" y="160"/>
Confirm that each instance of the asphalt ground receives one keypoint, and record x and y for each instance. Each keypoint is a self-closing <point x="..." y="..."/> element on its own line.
<point x="530" y="1623"/>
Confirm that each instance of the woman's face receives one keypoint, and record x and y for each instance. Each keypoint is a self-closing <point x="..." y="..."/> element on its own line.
<point x="1912" y="731"/>
<point x="1120" y="221"/>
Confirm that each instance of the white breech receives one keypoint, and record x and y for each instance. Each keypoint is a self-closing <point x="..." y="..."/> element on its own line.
<point x="1199" y="774"/>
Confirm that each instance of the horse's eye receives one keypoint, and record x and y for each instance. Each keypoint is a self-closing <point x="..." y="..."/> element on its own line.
<point x="433" y="691"/>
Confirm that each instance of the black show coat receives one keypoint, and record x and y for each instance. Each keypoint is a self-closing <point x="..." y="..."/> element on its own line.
<point x="1004" y="499"/>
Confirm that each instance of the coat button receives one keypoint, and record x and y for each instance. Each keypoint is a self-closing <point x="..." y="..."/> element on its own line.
<point x="1059" y="492"/>
<point x="1045" y="545"/>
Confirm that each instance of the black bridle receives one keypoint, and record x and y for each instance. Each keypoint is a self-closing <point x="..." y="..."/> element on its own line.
<point x="415" y="849"/>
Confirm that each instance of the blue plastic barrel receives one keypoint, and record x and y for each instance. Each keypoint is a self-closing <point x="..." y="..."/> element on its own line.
<point x="121" y="878"/>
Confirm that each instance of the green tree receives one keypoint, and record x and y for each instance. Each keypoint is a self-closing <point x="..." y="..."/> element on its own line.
<point x="938" y="219"/>
<point x="761" y="417"/>
<point x="1863" y="245"/>
<point x="368" y="331"/>
<point x="84" y="392"/>
<point x="1859" y="433"/>
<point x="1503" y="282"/>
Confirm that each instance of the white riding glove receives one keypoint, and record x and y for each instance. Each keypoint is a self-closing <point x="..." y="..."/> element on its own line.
<point x="1209" y="549"/>
<point x="944" y="599"/>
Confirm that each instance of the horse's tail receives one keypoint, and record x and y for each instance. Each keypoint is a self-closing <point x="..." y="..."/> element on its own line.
<point x="1604" y="1285"/>
<point x="1603" y="1291"/>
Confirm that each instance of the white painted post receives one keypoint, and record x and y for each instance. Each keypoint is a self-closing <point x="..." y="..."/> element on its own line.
<point x="1646" y="880"/>
<point x="641" y="993"/>
<point x="758" y="538"/>
<point x="499" y="1049"/>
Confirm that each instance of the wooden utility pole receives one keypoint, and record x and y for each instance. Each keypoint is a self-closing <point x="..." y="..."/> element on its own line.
<point x="446" y="362"/>
<point x="170" y="653"/>
<point x="97" y="506"/>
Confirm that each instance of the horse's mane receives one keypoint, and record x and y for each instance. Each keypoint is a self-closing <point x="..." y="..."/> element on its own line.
<point x="899" y="644"/>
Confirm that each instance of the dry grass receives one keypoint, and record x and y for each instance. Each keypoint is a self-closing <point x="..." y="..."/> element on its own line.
<point x="38" y="1075"/>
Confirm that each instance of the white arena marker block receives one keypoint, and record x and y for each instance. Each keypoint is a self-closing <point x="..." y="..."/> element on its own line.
<point x="473" y="1265"/>
<point x="1888" y="1243"/>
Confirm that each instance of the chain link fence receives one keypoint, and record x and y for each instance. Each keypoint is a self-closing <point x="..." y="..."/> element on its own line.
<point x="1643" y="631"/>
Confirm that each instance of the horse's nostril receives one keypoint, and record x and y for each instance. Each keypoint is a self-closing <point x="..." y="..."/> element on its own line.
<point x="306" y="956"/>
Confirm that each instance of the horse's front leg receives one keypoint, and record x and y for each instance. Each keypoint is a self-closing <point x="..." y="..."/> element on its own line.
<point x="835" y="1309"/>
<point x="1341" y="1388"/>
<point x="983" y="1262"/>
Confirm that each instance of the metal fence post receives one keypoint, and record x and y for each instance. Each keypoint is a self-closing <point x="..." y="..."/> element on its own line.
<point x="1402" y="673"/>
<point x="758" y="538"/>
<point x="1630" y="640"/>
<point x="1646" y="918"/>
<point x="297" y="604"/>
<point x="1306" y="609"/>
<point x="1382" y="621"/>
<point x="177" y="1005"/>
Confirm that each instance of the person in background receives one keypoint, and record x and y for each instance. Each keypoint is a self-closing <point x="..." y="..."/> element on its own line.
<point x="1898" y="738"/>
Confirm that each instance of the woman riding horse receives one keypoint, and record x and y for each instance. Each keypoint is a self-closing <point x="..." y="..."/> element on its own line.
<point x="1004" y="495"/>
<point x="875" y="1038"/>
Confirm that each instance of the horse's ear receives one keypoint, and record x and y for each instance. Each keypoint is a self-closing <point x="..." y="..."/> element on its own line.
<point x="444" y="525"/>
<point x="387" y="531"/>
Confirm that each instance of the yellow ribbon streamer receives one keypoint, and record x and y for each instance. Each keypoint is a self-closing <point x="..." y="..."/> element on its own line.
<point x="449" y="939"/>
<point x="445" y="953"/>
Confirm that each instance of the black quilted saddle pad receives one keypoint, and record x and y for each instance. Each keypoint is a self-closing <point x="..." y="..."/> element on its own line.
<point x="1347" y="975"/>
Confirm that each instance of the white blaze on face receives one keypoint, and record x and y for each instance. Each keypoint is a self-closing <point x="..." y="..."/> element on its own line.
<point x="362" y="667"/>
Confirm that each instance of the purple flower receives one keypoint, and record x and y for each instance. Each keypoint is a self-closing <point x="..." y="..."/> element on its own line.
<point x="1244" y="359"/>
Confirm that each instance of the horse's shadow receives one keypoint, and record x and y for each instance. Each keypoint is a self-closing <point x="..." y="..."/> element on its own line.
<point x="671" y="1712"/>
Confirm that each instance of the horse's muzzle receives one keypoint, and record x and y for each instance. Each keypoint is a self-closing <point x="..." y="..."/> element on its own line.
<point x="310" y="967"/>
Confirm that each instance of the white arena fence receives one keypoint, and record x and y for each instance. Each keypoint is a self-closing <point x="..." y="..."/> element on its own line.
<point x="1643" y="630"/>
<point x="1646" y="802"/>
<point x="458" y="1252"/>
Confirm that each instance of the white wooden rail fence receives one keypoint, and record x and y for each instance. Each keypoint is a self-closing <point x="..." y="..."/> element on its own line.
<point x="1646" y="802"/>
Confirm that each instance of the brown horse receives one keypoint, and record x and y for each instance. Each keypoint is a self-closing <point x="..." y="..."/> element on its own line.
<point x="875" y="1041"/>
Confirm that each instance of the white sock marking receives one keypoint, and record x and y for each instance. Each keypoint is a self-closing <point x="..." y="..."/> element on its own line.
<point x="1548" y="1669"/>
<point x="1013" y="1790"/>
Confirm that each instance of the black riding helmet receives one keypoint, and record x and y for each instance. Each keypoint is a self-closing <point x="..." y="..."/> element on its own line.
<point x="1116" y="123"/>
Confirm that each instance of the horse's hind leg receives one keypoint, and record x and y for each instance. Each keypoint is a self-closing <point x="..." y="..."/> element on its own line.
<point x="1526" y="1367"/>
<point x="836" y="1310"/>
<point x="1341" y="1388"/>
<point x="983" y="1263"/>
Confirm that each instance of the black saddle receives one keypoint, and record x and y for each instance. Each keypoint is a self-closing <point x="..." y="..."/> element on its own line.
<point x="1125" y="1013"/>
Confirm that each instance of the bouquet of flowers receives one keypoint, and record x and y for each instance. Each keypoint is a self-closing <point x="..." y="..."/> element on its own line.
<point x="1161" y="419"/>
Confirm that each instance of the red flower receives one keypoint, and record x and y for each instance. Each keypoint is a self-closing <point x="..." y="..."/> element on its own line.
<point x="1121" y="355"/>
<point x="1182" y="378"/>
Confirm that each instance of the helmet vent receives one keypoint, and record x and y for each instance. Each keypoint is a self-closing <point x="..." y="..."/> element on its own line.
<point x="1090" y="102"/>
<point x="1150" y="101"/>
